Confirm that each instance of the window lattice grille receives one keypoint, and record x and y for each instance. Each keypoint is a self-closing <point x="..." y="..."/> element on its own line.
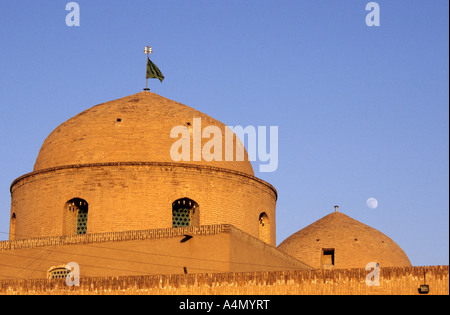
<point x="82" y="221"/>
<point x="181" y="217"/>
<point x="59" y="273"/>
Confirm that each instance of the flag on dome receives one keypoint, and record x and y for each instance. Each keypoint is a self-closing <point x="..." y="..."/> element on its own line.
<point x="153" y="72"/>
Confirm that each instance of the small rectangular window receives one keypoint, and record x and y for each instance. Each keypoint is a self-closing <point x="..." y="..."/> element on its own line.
<point x="328" y="257"/>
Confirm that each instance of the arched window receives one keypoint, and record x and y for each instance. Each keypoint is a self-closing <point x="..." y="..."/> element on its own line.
<point x="264" y="228"/>
<point x="75" y="217"/>
<point x="185" y="212"/>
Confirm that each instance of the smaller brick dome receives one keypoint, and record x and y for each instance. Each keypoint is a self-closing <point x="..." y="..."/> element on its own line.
<point x="338" y="241"/>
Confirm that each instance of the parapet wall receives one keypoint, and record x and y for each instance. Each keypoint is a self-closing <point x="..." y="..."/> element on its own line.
<point x="211" y="249"/>
<point x="134" y="235"/>
<point x="393" y="281"/>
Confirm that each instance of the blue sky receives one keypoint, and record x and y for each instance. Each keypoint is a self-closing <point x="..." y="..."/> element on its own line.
<point x="362" y="111"/>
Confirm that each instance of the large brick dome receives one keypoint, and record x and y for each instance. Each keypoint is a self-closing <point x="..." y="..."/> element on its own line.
<point x="110" y="168"/>
<point x="338" y="241"/>
<point x="135" y="128"/>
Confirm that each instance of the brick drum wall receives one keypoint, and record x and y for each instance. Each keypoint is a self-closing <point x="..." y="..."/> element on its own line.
<point x="137" y="196"/>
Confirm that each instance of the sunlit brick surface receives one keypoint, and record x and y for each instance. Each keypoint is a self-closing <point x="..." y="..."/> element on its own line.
<point x="354" y="243"/>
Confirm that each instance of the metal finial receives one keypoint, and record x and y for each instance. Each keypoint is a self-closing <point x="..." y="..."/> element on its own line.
<point x="336" y="208"/>
<point x="152" y="70"/>
<point x="147" y="51"/>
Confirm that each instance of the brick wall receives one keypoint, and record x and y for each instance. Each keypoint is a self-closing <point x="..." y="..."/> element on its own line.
<point x="395" y="280"/>
<point x="212" y="248"/>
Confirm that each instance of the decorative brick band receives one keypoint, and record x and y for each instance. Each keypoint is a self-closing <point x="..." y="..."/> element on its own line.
<point x="156" y="164"/>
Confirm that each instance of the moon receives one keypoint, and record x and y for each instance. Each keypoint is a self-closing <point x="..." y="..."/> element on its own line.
<point x="372" y="203"/>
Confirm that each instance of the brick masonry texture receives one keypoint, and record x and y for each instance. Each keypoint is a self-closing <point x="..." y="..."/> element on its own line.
<point x="116" y="157"/>
<point x="394" y="281"/>
<point x="355" y="244"/>
<point x="137" y="196"/>
<point x="212" y="248"/>
<point x="135" y="128"/>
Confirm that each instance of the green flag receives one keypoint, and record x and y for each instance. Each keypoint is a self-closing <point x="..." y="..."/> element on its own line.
<point x="153" y="71"/>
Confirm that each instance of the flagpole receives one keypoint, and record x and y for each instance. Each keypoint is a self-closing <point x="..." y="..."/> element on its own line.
<point x="147" y="51"/>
